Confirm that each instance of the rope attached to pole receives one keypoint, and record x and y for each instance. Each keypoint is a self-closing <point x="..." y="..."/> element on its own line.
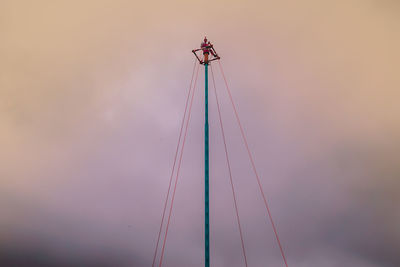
<point x="254" y="167"/>
<point x="173" y="166"/>
<point x="229" y="169"/>
<point x="179" y="167"/>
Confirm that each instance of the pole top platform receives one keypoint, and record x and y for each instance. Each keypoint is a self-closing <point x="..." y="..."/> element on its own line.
<point x="208" y="51"/>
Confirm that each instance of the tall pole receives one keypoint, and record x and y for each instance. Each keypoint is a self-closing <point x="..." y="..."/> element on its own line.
<point x="206" y="174"/>
<point x="209" y="55"/>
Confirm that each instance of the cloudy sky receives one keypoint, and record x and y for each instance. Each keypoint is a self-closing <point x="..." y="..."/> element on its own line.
<point x="92" y="94"/>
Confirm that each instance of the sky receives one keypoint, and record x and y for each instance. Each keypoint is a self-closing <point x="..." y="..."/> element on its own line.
<point x="92" y="94"/>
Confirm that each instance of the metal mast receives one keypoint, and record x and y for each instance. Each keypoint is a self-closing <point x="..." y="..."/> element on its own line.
<point x="207" y="49"/>
<point x="206" y="175"/>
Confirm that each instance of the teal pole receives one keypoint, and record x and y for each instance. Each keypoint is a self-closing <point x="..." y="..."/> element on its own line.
<point x="206" y="175"/>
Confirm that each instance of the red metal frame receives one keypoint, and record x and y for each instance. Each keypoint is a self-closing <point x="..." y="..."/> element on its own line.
<point x="206" y="49"/>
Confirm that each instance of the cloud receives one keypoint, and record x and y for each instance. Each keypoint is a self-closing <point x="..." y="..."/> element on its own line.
<point x="91" y="97"/>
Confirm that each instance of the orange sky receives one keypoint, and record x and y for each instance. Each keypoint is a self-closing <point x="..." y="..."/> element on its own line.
<point x="91" y="96"/>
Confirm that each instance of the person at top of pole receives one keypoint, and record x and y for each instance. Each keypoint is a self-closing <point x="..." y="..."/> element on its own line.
<point x="206" y="48"/>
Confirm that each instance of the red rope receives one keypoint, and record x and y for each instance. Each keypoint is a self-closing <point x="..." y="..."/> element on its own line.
<point x="254" y="167"/>
<point x="229" y="168"/>
<point x="178" y="169"/>
<point x="173" y="166"/>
